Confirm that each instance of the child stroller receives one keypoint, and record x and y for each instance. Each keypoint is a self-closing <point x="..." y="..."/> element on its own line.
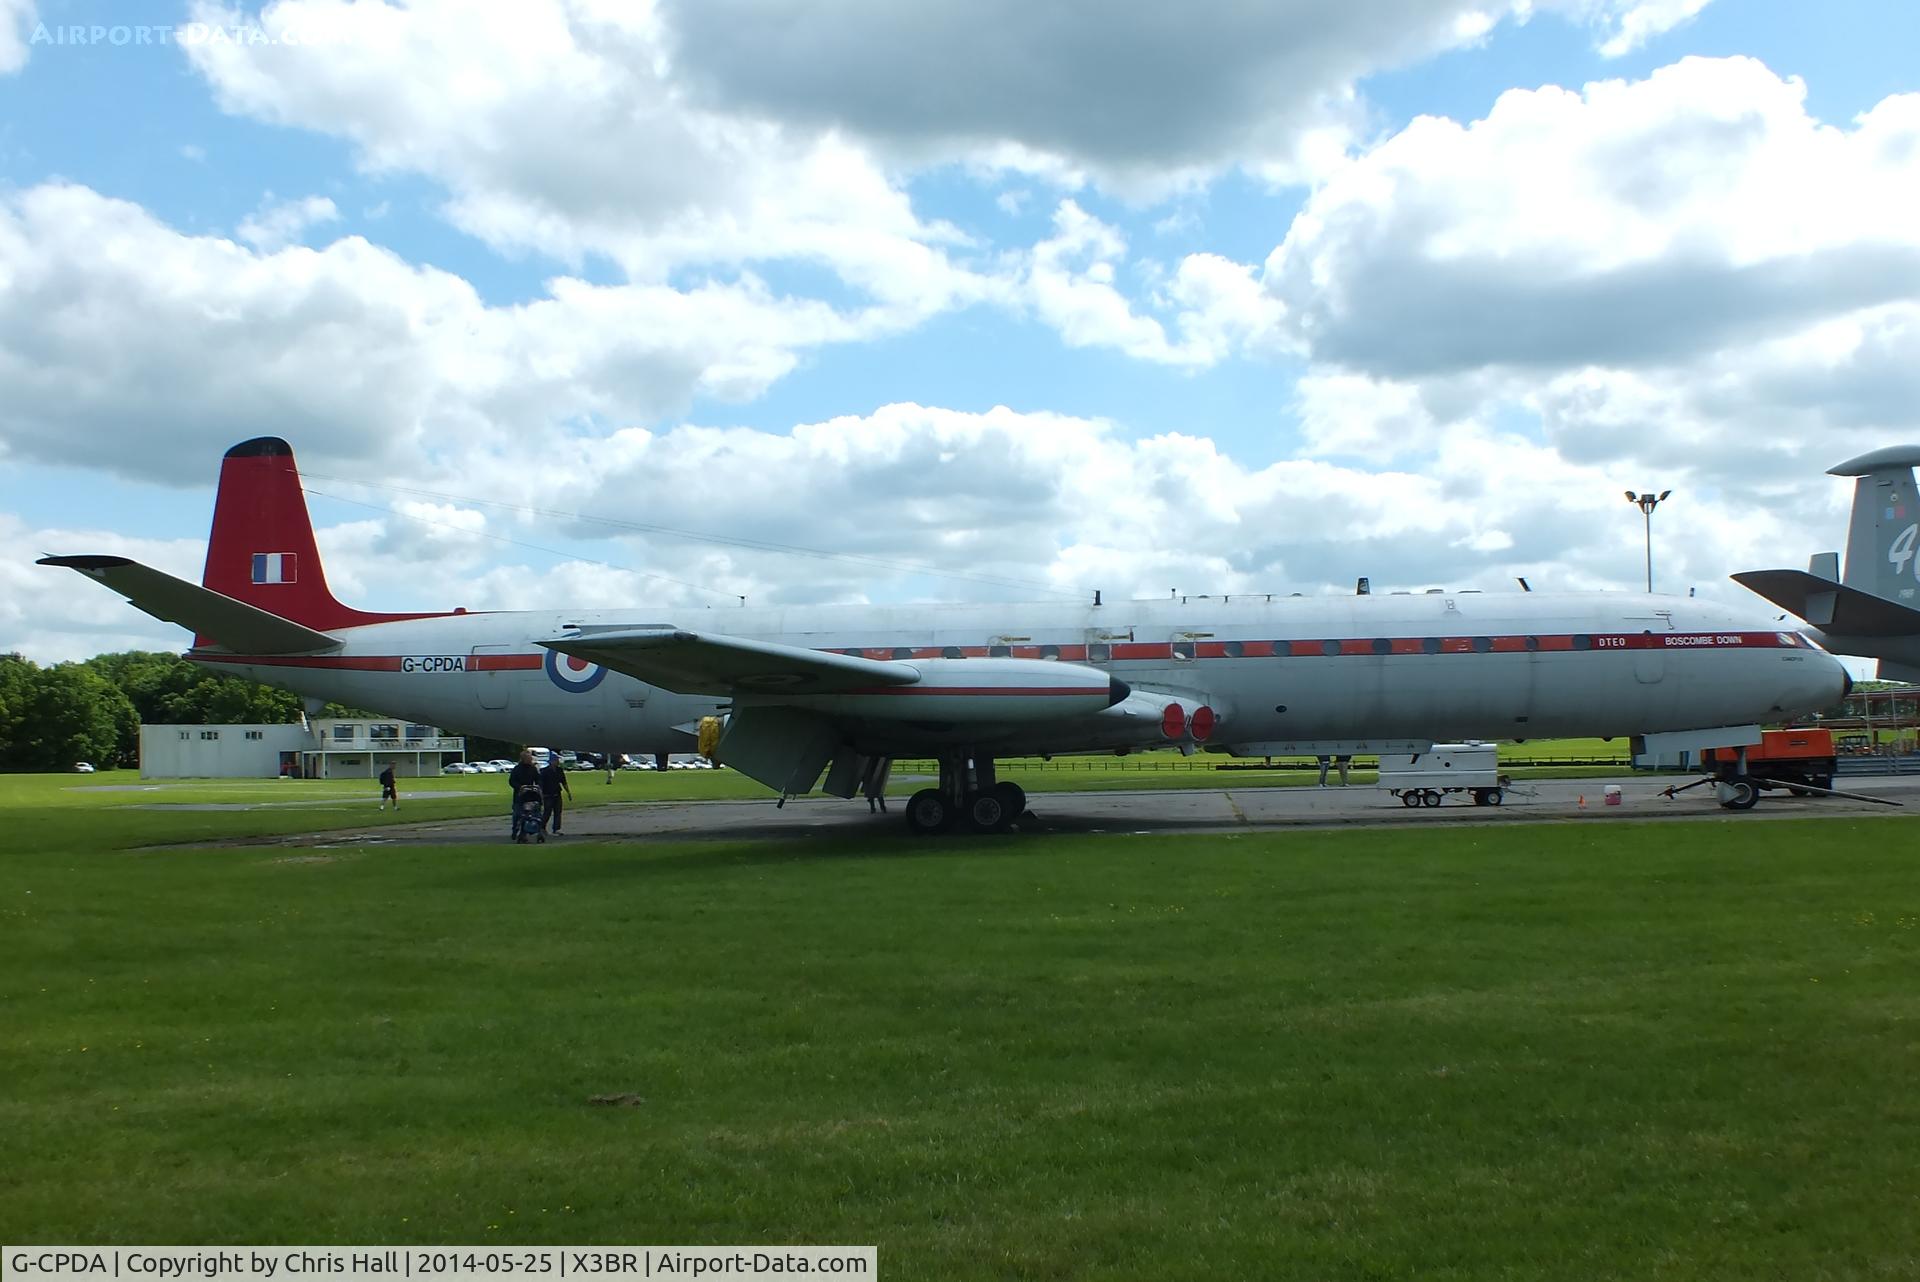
<point x="529" y="814"/>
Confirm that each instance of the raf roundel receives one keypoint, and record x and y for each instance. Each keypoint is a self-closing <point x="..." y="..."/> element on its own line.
<point x="572" y="674"/>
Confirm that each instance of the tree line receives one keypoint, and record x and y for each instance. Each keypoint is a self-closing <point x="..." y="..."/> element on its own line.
<point x="52" y="717"/>
<point x="92" y="711"/>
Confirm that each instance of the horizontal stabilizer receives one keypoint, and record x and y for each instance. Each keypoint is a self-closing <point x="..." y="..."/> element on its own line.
<point x="1832" y="607"/>
<point x="242" y="628"/>
<point x="706" y="663"/>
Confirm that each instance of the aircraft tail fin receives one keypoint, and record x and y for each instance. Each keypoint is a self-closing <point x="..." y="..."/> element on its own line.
<point x="1883" y="540"/>
<point x="261" y="550"/>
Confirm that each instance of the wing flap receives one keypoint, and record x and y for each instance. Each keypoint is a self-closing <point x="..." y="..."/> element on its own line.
<point x="1832" y="607"/>
<point x="717" y="664"/>
<point x="242" y="628"/>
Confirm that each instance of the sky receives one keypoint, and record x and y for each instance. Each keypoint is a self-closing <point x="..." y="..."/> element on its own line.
<point x="673" y="304"/>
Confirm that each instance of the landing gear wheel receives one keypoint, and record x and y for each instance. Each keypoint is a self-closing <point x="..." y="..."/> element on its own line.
<point x="986" y="811"/>
<point x="928" y="812"/>
<point x="1429" y="798"/>
<point x="1409" y="799"/>
<point x="1014" y="798"/>
<point x="1739" y="794"/>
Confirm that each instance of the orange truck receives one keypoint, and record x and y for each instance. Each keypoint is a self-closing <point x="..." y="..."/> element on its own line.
<point x="1793" y="759"/>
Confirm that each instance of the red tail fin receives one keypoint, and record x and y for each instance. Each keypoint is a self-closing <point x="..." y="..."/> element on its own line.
<point x="261" y="550"/>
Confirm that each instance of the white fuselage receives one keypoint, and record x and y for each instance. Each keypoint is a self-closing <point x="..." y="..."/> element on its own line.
<point x="1279" y="670"/>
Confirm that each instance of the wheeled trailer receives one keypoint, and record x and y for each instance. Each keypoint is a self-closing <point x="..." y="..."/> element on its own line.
<point x="1428" y="778"/>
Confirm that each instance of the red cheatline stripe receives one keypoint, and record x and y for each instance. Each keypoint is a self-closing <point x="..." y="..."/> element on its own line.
<point x="373" y="662"/>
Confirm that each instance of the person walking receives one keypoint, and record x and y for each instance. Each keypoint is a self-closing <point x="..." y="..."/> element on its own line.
<point x="388" y="792"/>
<point x="523" y="775"/>
<point x="553" y="782"/>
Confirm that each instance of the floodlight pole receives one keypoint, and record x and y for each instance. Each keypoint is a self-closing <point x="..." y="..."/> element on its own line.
<point x="1647" y="502"/>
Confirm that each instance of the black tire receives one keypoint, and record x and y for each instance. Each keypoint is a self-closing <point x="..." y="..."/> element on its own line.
<point x="1824" y="782"/>
<point x="1744" y="795"/>
<point x="928" y="812"/>
<point x="1430" y="798"/>
<point x="986" y="811"/>
<point x="1409" y="799"/>
<point x="1014" y="798"/>
<point x="1495" y="796"/>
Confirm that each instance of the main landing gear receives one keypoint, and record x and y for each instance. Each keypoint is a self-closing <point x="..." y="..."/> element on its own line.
<point x="968" y="799"/>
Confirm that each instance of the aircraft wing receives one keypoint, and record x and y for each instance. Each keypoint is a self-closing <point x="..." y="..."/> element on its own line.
<point x="242" y="628"/>
<point x="1832" y="607"/>
<point x="717" y="664"/>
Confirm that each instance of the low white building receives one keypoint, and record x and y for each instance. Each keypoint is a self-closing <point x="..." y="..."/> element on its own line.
<point x="330" y="748"/>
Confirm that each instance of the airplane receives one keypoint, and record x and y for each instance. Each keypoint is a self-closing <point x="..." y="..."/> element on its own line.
<point x="786" y="695"/>
<point x="1872" y="612"/>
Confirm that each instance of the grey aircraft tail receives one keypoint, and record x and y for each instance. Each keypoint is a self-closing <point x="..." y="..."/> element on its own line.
<point x="1881" y="540"/>
<point x="1874" y="608"/>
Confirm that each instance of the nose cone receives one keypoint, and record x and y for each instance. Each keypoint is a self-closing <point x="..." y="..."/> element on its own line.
<point x="1825" y="684"/>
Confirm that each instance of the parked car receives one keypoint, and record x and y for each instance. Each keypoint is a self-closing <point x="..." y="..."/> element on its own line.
<point x="458" y="768"/>
<point x="83" y="767"/>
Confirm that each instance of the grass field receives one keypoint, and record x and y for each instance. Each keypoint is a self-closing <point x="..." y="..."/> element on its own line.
<point x="1679" y="1051"/>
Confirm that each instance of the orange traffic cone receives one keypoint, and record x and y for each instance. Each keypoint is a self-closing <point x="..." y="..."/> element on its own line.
<point x="1583" y="801"/>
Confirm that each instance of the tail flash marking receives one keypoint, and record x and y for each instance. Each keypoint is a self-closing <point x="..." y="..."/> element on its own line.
<point x="276" y="567"/>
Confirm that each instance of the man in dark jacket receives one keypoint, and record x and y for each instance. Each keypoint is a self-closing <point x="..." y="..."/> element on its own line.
<point x="553" y="781"/>
<point x="523" y="774"/>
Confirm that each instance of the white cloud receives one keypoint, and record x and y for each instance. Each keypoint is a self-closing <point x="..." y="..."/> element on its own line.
<point x="1632" y="224"/>
<point x="1626" y="25"/>
<point x="17" y="20"/>
<point x="555" y="129"/>
<point x="1072" y="280"/>
<point x="282" y="222"/>
<point x="149" y="350"/>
